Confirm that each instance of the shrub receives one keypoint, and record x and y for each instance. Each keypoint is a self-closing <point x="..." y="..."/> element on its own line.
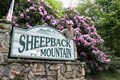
<point x="87" y="40"/>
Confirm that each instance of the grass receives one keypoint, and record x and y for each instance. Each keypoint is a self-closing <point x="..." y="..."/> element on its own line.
<point x="110" y="76"/>
<point x="105" y="76"/>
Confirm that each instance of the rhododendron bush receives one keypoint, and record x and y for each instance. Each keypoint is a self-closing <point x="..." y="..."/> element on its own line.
<point x="32" y="13"/>
<point x="87" y="40"/>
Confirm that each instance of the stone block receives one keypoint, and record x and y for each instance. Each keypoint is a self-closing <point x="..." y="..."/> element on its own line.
<point x="5" y="56"/>
<point x="59" y="75"/>
<point x="5" y="25"/>
<point x="6" y="71"/>
<point x="40" y="73"/>
<point x="51" y="77"/>
<point x="1" y="58"/>
<point x="5" y="78"/>
<point x="40" y="78"/>
<point x="12" y="75"/>
<point x="27" y="69"/>
<point x="31" y="75"/>
<point x="68" y="67"/>
<point x="1" y="38"/>
<point x="1" y="26"/>
<point x="15" y="72"/>
<point x="16" y="67"/>
<point x="52" y="72"/>
<point x="38" y="69"/>
<point x="54" y="67"/>
<point x="62" y="68"/>
<point x="23" y="76"/>
<point x="5" y="41"/>
<point x="26" y="65"/>
<point x="1" y="70"/>
<point x="4" y="50"/>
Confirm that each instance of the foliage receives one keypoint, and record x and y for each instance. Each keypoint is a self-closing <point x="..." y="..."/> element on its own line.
<point x="57" y="6"/>
<point x="109" y="24"/>
<point x="89" y="9"/>
<point x="104" y="76"/>
<point x="106" y="16"/>
<point x="4" y="7"/>
<point x="87" y="40"/>
<point x="110" y="75"/>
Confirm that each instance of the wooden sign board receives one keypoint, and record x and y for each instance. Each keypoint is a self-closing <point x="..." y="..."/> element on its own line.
<point x="41" y="42"/>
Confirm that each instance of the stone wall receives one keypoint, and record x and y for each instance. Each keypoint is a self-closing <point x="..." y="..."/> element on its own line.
<point x="21" y="69"/>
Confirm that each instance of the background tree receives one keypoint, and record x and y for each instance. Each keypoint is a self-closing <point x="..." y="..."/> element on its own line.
<point x="4" y="7"/>
<point x="106" y="16"/>
<point x="109" y="24"/>
<point x="57" y="5"/>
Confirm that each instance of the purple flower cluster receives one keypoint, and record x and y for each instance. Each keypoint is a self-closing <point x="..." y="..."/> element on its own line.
<point x="36" y="13"/>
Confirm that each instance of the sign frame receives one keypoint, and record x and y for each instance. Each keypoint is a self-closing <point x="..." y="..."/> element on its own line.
<point x="11" y="56"/>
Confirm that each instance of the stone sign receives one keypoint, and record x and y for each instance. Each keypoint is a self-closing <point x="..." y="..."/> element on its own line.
<point x="41" y="42"/>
